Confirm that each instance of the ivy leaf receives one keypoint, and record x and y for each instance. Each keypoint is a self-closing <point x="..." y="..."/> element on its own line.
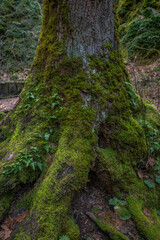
<point x="55" y="95"/>
<point x="128" y="83"/>
<point x="158" y="178"/>
<point x="53" y="117"/>
<point x="27" y="105"/>
<point x="115" y="201"/>
<point x="39" y="165"/>
<point x="47" y="148"/>
<point x="34" y="149"/>
<point x="127" y="216"/>
<point x="156" y="168"/>
<point x="30" y="95"/>
<point x="151" y="176"/>
<point x="46" y="136"/>
<point x="53" y="105"/>
<point x="33" y="165"/>
<point x="149" y="184"/>
<point x="158" y="212"/>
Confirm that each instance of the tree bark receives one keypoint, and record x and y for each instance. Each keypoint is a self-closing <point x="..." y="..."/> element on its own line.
<point x="74" y="117"/>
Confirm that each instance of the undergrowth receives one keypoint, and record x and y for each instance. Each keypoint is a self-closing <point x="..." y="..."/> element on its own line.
<point x="19" y="31"/>
<point x="143" y="35"/>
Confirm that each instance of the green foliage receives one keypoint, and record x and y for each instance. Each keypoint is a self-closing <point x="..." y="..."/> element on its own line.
<point x="126" y="216"/>
<point x="152" y="137"/>
<point x="115" y="201"/>
<point x="120" y="209"/>
<point x="143" y="35"/>
<point x="158" y="212"/>
<point x="46" y="136"/>
<point x="30" y="95"/>
<point x="19" y="31"/>
<point x="122" y="212"/>
<point x="23" y="161"/>
<point x="149" y="184"/>
<point x="157" y="178"/>
<point x="131" y="93"/>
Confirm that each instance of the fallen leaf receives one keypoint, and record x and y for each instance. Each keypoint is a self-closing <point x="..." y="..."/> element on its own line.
<point x="140" y="174"/>
<point x="150" y="162"/>
<point x="21" y="217"/>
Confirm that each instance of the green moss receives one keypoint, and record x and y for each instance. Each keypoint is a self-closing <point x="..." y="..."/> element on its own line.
<point x="2" y="115"/>
<point x="109" y="230"/>
<point x="127" y="138"/>
<point x="25" y="202"/>
<point x="148" y="229"/>
<point x="72" y="229"/>
<point x="152" y="116"/>
<point x="5" y="204"/>
<point x="121" y="177"/>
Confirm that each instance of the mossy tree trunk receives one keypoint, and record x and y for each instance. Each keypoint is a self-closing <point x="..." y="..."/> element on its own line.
<point x="75" y="113"/>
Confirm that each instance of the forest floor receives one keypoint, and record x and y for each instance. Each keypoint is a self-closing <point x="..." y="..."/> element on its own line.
<point x="146" y="81"/>
<point x="92" y="200"/>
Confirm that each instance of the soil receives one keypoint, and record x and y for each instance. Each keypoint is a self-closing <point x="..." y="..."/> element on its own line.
<point x="15" y="215"/>
<point x="93" y="199"/>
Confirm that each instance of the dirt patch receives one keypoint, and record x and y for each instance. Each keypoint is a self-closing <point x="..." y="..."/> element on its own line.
<point x="95" y="200"/>
<point x="8" y="104"/>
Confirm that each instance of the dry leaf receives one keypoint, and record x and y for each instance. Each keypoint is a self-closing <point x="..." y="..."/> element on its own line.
<point x="150" y="162"/>
<point x="140" y="174"/>
<point x="21" y="217"/>
<point x="7" y="234"/>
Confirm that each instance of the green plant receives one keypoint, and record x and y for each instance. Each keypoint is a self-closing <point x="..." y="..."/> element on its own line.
<point x="152" y="137"/>
<point x="26" y="159"/>
<point x="30" y="95"/>
<point x="115" y="201"/>
<point x="131" y="93"/>
<point x="157" y="178"/>
<point x="158" y="212"/>
<point x="122" y="212"/>
<point x="120" y="209"/>
<point x="46" y="136"/>
<point x="57" y="101"/>
<point x="149" y="184"/>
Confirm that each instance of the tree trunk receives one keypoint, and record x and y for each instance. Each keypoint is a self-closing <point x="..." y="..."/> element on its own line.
<point x="77" y="114"/>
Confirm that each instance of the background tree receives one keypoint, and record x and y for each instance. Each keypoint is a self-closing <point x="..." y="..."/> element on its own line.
<point x="78" y="114"/>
